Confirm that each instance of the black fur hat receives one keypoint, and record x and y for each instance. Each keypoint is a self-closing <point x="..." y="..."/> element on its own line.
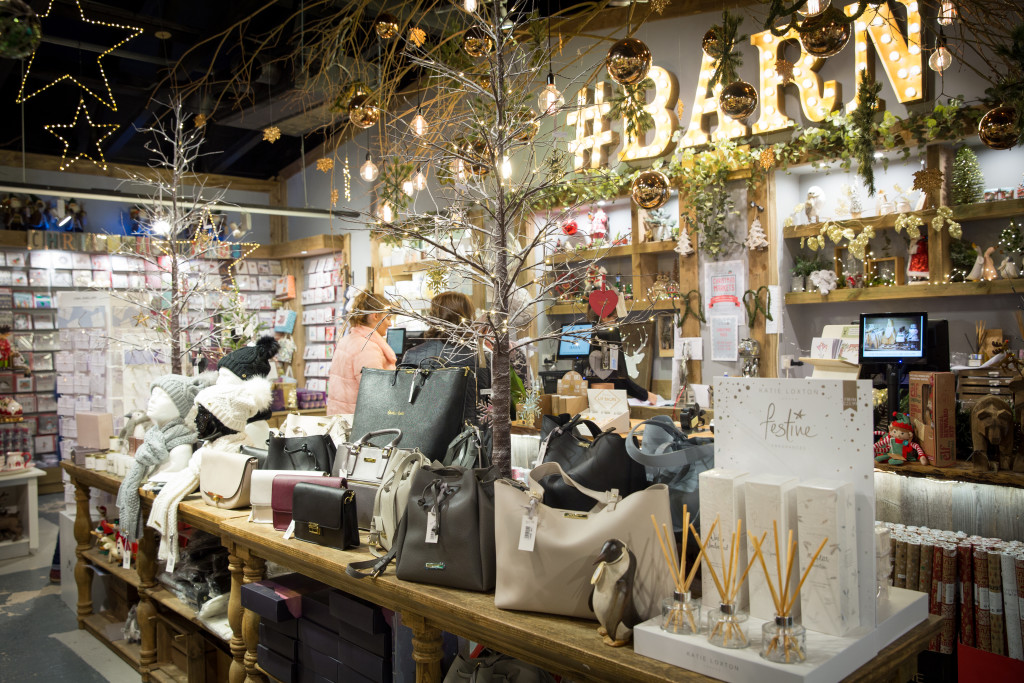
<point x="251" y="361"/>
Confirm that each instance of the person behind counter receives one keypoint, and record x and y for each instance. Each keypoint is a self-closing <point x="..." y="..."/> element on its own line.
<point x="597" y="368"/>
<point x="363" y="346"/>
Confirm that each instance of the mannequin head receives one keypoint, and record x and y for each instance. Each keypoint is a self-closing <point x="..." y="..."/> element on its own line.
<point x="161" y="408"/>
<point x="208" y="426"/>
<point x="225" y="408"/>
<point x="171" y="397"/>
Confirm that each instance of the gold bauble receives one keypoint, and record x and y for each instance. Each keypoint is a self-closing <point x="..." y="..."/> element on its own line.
<point x="629" y="61"/>
<point x="476" y="43"/>
<point x="826" y="34"/>
<point x="998" y="128"/>
<point x="650" y="189"/>
<point x="476" y="152"/>
<point x="345" y="95"/>
<point x="386" y="26"/>
<point x="712" y="44"/>
<point x="484" y="80"/>
<point x="738" y="100"/>
<point x="362" y="112"/>
<point x="526" y="125"/>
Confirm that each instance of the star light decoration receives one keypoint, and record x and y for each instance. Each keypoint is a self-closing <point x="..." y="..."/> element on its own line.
<point x="325" y="164"/>
<point x="417" y="36"/>
<point x="346" y="174"/>
<point x="767" y="158"/>
<point x="60" y="130"/>
<point x="141" y="319"/>
<point x="271" y="134"/>
<point x="660" y="5"/>
<point x="25" y="93"/>
<point x="928" y="180"/>
<point x="334" y="196"/>
<point x="200" y="120"/>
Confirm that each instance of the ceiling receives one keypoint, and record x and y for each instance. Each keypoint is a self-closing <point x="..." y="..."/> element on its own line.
<point x="109" y="94"/>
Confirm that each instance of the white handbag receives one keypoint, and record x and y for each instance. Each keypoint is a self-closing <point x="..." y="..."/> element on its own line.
<point x="555" y="576"/>
<point x="260" y="494"/>
<point x="337" y="426"/>
<point x="391" y="498"/>
<point x="225" y="478"/>
<point x="365" y="466"/>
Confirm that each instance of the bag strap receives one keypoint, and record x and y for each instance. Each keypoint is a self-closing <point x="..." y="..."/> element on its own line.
<point x="693" y="450"/>
<point x="379" y="432"/>
<point x="569" y="429"/>
<point x="460" y="451"/>
<point x="552" y="468"/>
<point x="357" y="570"/>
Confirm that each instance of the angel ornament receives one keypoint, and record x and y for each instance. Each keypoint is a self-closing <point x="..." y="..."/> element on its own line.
<point x="756" y="239"/>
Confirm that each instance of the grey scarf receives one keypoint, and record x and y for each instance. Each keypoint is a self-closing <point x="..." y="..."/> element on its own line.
<point x="155" y="449"/>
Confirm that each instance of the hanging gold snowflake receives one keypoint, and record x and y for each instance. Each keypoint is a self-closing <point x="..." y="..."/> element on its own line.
<point x="271" y="134"/>
<point x="334" y="196"/>
<point x="660" y="5"/>
<point x="767" y="158"/>
<point x="200" y="120"/>
<point x="325" y="164"/>
<point x="784" y="68"/>
<point x="437" y="279"/>
<point x="928" y="180"/>
<point x="680" y="109"/>
<point x="417" y="36"/>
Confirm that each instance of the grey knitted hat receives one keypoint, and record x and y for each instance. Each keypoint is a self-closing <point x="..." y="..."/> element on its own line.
<point x="181" y="389"/>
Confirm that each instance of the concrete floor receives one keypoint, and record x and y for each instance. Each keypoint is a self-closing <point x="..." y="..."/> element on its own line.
<point x="39" y="638"/>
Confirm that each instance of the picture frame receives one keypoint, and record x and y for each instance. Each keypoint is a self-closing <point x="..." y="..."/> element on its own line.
<point x="46" y="382"/>
<point x="81" y="261"/>
<point x="17" y="259"/>
<point x="31" y="424"/>
<point x="27" y="401"/>
<point x="81" y="278"/>
<point x="22" y="321"/>
<point x="45" y="444"/>
<point x="42" y="362"/>
<point x="40" y="258"/>
<point x="61" y="260"/>
<point x="39" y="277"/>
<point x="24" y="341"/>
<point x="42" y="321"/>
<point x="48" y="424"/>
<point x="24" y="384"/>
<point x="24" y="300"/>
<point x="6" y="382"/>
<point x="46" y="402"/>
<point x="5" y="278"/>
<point x="19" y="278"/>
<point x="665" y="334"/>
<point x="61" y="278"/>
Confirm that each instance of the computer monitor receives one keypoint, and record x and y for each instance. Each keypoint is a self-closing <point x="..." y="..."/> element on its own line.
<point x="396" y="339"/>
<point x="574" y="342"/>
<point x="893" y="337"/>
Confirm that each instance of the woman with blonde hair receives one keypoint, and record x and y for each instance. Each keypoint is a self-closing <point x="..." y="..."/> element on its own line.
<point x="363" y="346"/>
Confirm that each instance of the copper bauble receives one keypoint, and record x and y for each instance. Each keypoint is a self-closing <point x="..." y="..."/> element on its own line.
<point x="475" y="151"/>
<point x="477" y="43"/>
<point x="525" y="125"/>
<point x="998" y="128"/>
<point x="629" y="61"/>
<point x="386" y="26"/>
<point x="738" y="100"/>
<point x="825" y="34"/>
<point x="712" y="44"/>
<point x="362" y="112"/>
<point x="650" y="189"/>
<point x="20" y="29"/>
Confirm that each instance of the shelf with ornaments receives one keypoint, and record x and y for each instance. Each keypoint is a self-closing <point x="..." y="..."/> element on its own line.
<point x="633" y="305"/>
<point x="919" y="291"/>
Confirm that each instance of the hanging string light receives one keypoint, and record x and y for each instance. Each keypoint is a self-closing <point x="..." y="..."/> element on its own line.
<point x="369" y="171"/>
<point x="947" y="13"/>
<point x="346" y="175"/>
<point x="550" y="99"/>
<point x="940" y="59"/>
<point x="408" y="187"/>
<point x="419" y="181"/>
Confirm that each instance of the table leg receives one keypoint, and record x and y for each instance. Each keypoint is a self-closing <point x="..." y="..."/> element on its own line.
<point x="255" y="569"/>
<point x="83" y="574"/>
<point x="145" y="565"/>
<point x="426" y="648"/>
<point x="33" y="515"/>
<point x="236" y="674"/>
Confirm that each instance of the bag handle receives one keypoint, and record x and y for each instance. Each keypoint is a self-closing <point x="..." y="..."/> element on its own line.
<point x="551" y="468"/>
<point x="569" y="428"/>
<point x="693" y="450"/>
<point x="379" y="432"/>
<point x="458" y="449"/>
<point x="376" y="567"/>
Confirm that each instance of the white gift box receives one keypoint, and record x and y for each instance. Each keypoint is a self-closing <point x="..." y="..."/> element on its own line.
<point x="609" y="409"/>
<point x="769" y="498"/>
<point x="721" y="498"/>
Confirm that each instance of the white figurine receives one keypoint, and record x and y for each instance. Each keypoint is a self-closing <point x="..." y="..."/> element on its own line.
<point x="756" y="239"/>
<point x="815" y="204"/>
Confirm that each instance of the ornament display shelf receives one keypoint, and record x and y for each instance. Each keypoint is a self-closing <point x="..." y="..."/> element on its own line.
<point x="925" y="291"/>
<point x="963" y="472"/>
<point x="1007" y="208"/>
<point x="596" y="254"/>
<point x="634" y="305"/>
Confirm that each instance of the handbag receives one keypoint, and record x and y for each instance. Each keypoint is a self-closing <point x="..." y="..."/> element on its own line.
<point x="390" y="499"/>
<point x="554" y="577"/>
<point x="261" y="494"/>
<point x="600" y="464"/>
<point x="495" y="668"/>
<point x="303" y="453"/>
<point x="471" y="448"/>
<point x="447" y="535"/>
<point x="366" y="466"/>
<point x="255" y="452"/>
<point x="673" y="459"/>
<point x="427" y="405"/>
<point x="282" y="494"/>
<point x="225" y="478"/>
<point x="335" y="426"/>
<point x="325" y="516"/>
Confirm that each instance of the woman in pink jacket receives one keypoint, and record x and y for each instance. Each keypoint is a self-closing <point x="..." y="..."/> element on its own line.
<point x="362" y="347"/>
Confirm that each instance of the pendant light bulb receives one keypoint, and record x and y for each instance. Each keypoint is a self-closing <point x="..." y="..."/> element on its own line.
<point x="506" y="168"/>
<point x="941" y="59"/>
<point x="418" y="124"/>
<point x="385" y="212"/>
<point x="369" y="171"/>
<point x="408" y="187"/>
<point x="419" y="181"/>
<point x="550" y="99"/>
<point x="469" y="5"/>
<point x="947" y="13"/>
<point x="813" y="8"/>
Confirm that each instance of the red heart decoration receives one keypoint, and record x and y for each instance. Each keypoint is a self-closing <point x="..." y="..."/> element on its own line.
<point x="603" y="301"/>
<point x="569" y="227"/>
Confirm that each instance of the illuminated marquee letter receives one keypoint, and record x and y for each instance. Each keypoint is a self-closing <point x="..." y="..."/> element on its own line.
<point x="817" y="99"/>
<point x="901" y="57"/>
<point x="704" y="106"/>
<point x="666" y="92"/>
<point x="593" y="127"/>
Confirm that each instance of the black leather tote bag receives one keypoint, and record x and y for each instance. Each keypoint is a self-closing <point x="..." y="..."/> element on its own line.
<point x="302" y="453"/>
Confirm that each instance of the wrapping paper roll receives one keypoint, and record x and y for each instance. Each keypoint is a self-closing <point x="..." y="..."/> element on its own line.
<point x="982" y="618"/>
<point x="913" y="563"/>
<point x="937" y="595"/>
<point x="965" y="566"/>
<point x="948" y="634"/>
<point x="1011" y="606"/>
<point x="995" y="601"/>
<point x="924" y="581"/>
<point x="900" y="570"/>
<point x="1018" y="563"/>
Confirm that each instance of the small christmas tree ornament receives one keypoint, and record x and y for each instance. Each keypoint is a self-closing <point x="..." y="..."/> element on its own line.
<point x="684" y="246"/>
<point x="650" y="189"/>
<point x="967" y="181"/>
<point x="476" y="43"/>
<point x="629" y="61"/>
<point x="784" y="70"/>
<point x="756" y="238"/>
<point x="738" y="100"/>
<point x="271" y="134"/>
<point x="826" y="34"/>
<point x="998" y="128"/>
<point x="712" y="43"/>
<point x="362" y="112"/>
<point x="767" y="158"/>
<point x="386" y="26"/>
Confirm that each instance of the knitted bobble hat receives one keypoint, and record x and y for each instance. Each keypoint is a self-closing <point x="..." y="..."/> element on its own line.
<point x="181" y="389"/>
<point x="251" y="361"/>
<point x="234" y="404"/>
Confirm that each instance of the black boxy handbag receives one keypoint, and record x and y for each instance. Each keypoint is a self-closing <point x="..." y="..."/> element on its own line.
<point x="302" y="453"/>
<point x="325" y="516"/>
<point x="601" y="464"/>
<point x="428" y="405"/>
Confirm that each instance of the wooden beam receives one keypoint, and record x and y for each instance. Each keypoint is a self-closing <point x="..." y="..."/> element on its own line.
<point x="618" y="17"/>
<point x="43" y="162"/>
<point x="279" y="224"/>
<point x="762" y="269"/>
<point x="309" y="246"/>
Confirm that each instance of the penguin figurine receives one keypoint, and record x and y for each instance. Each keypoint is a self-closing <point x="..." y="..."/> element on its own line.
<point x="611" y="598"/>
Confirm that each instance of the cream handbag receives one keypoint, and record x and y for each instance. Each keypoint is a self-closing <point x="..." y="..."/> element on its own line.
<point x="225" y="478"/>
<point x="336" y="426"/>
<point x="555" y="576"/>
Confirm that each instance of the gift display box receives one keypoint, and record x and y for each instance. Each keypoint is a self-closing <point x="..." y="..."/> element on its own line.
<point x="278" y="641"/>
<point x="279" y="599"/>
<point x="316" y="608"/>
<point x="281" y="668"/>
<point x="933" y="414"/>
<point x="721" y="498"/>
<point x="375" y="667"/>
<point x="320" y="662"/>
<point x="94" y="429"/>
<point x="358" y="613"/>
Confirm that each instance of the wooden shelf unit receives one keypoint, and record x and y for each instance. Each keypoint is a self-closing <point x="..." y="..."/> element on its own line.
<point x="923" y="291"/>
<point x="962" y="472"/>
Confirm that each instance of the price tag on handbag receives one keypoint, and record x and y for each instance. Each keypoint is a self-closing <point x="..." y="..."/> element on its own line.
<point x="613" y="361"/>
<point x="290" y="531"/>
<point x="126" y="553"/>
<point x="431" y="527"/>
<point x="528" y="533"/>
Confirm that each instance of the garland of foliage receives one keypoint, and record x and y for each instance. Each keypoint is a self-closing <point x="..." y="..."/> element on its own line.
<point x="630" y="104"/>
<point x="727" y="66"/>
<point x="863" y="121"/>
<point x="776" y="9"/>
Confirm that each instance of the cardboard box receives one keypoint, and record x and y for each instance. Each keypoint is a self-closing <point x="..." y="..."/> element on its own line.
<point x="609" y="409"/>
<point x="933" y="414"/>
<point x="94" y="429"/>
<point x="572" y="384"/>
<point x="288" y="628"/>
<point x="320" y="662"/>
<point x="377" y="668"/>
<point x="316" y="608"/>
<point x="570" y="404"/>
<point x="358" y="613"/>
<point x="350" y="675"/>
<point x="279" y="599"/>
<point x="279" y="642"/>
<point x="284" y="670"/>
<point x="769" y="498"/>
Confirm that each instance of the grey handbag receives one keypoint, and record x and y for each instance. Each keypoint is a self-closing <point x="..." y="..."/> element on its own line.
<point x="366" y="467"/>
<point x="495" y="668"/>
<point x="471" y="448"/>
<point x="673" y="459"/>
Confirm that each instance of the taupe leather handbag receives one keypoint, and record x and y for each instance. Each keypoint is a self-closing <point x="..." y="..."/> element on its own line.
<point x="554" y="577"/>
<point x="225" y="478"/>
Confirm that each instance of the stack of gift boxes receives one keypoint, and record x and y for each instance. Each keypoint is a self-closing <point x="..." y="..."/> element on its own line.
<point x="311" y="633"/>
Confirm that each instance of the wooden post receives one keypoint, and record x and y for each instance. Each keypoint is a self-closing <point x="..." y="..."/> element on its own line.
<point x="426" y="648"/>
<point x="294" y="266"/>
<point x="939" y="261"/>
<point x="689" y="279"/>
<point x="254" y="570"/>
<point x="763" y="269"/>
<point x="83" y="575"/>
<point x="278" y="196"/>
<point x="146" y="612"/>
<point x="236" y="673"/>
